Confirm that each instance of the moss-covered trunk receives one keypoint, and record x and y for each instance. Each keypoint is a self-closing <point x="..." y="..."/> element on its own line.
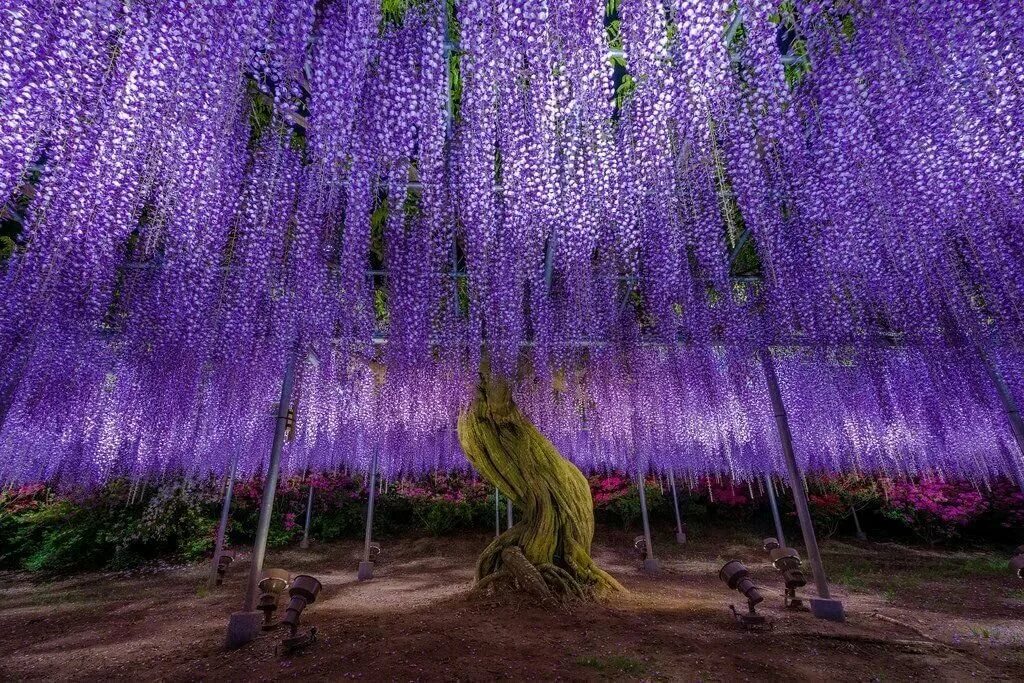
<point x="556" y="525"/>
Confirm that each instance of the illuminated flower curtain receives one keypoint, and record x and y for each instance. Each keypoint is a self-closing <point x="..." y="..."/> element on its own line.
<point x="619" y="200"/>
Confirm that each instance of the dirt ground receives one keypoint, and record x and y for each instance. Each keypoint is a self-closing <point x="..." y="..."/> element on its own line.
<point x="912" y="614"/>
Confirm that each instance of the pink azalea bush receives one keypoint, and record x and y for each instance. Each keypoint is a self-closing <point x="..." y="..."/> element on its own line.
<point x="935" y="510"/>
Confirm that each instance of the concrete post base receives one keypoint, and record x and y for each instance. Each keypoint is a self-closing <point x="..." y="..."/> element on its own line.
<point x="651" y="566"/>
<point x="681" y="538"/>
<point x="365" y="571"/>
<point x="304" y="544"/>
<point x="828" y="609"/>
<point x="243" y="627"/>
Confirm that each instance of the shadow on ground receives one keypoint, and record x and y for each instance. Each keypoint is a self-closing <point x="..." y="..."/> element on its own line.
<point x="912" y="614"/>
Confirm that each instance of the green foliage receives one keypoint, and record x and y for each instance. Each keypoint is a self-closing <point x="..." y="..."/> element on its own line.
<point x="111" y="528"/>
<point x="625" y="510"/>
<point x="261" y="111"/>
<point x="442" y="517"/>
<point x="798" y="65"/>
<point x="6" y="247"/>
<point x="59" y="535"/>
<point x="833" y="499"/>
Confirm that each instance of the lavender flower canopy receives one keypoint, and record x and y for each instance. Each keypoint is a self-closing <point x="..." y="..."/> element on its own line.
<point x="620" y="202"/>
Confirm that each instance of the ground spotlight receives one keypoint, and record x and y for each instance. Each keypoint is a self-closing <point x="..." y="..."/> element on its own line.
<point x="1017" y="562"/>
<point x="640" y="547"/>
<point x="303" y="591"/>
<point x="787" y="561"/>
<point x="224" y="561"/>
<point x="271" y="586"/>
<point x="737" y="577"/>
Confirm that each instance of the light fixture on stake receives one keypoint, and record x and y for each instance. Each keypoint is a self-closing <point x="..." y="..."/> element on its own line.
<point x="640" y="546"/>
<point x="737" y="577"/>
<point x="303" y="592"/>
<point x="787" y="561"/>
<point x="1017" y="562"/>
<point x="224" y="561"/>
<point x="272" y="584"/>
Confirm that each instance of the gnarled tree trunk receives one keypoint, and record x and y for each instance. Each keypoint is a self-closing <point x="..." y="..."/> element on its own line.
<point x="552" y="539"/>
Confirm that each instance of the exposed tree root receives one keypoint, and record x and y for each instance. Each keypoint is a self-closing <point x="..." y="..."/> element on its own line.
<point x="547" y="553"/>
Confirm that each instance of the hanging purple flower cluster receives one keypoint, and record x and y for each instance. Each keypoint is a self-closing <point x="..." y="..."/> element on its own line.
<point x="700" y="413"/>
<point x="619" y="200"/>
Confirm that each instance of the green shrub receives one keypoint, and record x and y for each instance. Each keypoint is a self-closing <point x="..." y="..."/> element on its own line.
<point x="442" y="517"/>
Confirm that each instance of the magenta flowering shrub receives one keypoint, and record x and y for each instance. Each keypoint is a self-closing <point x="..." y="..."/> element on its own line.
<point x="935" y="510"/>
<point x="608" y="487"/>
<point x="26" y="497"/>
<point x="122" y="525"/>
<point x="452" y="488"/>
<point x="725" y="492"/>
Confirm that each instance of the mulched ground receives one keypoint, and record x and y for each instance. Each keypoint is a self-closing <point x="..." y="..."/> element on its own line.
<point x="911" y="615"/>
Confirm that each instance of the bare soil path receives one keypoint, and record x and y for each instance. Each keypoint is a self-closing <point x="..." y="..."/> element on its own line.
<point x="416" y="621"/>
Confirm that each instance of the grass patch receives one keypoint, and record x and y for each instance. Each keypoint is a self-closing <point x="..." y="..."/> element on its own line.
<point x="68" y="597"/>
<point x="983" y="565"/>
<point x="903" y="572"/>
<point x="851" y="578"/>
<point x="614" y="665"/>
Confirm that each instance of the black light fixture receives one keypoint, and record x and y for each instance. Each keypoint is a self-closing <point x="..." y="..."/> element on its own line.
<point x="787" y="561"/>
<point x="303" y="592"/>
<point x="1017" y="562"/>
<point x="737" y="577"/>
<point x="271" y="586"/>
<point x="224" y="561"/>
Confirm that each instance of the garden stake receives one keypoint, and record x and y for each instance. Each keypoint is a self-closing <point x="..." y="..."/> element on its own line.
<point x="222" y="528"/>
<point x="1012" y="415"/>
<point x="775" y="510"/>
<point x="309" y="516"/>
<point x="497" y="513"/>
<point x="680" y="534"/>
<point x="650" y="564"/>
<point x="366" y="566"/>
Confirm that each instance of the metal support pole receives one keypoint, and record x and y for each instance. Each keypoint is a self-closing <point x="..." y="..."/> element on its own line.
<point x="225" y="511"/>
<point x="497" y="513"/>
<point x="309" y="517"/>
<point x="650" y="564"/>
<point x="856" y="523"/>
<point x="680" y="534"/>
<point x="508" y="513"/>
<point x="366" y="567"/>
<point x="779" y="536"/>
<point x="245" y="625"/>
<point x="1012" y="415"/>
<point x="823" y="607"/>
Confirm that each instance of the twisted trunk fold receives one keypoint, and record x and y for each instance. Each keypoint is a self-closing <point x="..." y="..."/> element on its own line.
<point x="556" y="525"/>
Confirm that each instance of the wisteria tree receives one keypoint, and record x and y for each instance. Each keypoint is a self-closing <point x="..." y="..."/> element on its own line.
<point x="548" y="550"/>
<point x="649" y="191"/>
